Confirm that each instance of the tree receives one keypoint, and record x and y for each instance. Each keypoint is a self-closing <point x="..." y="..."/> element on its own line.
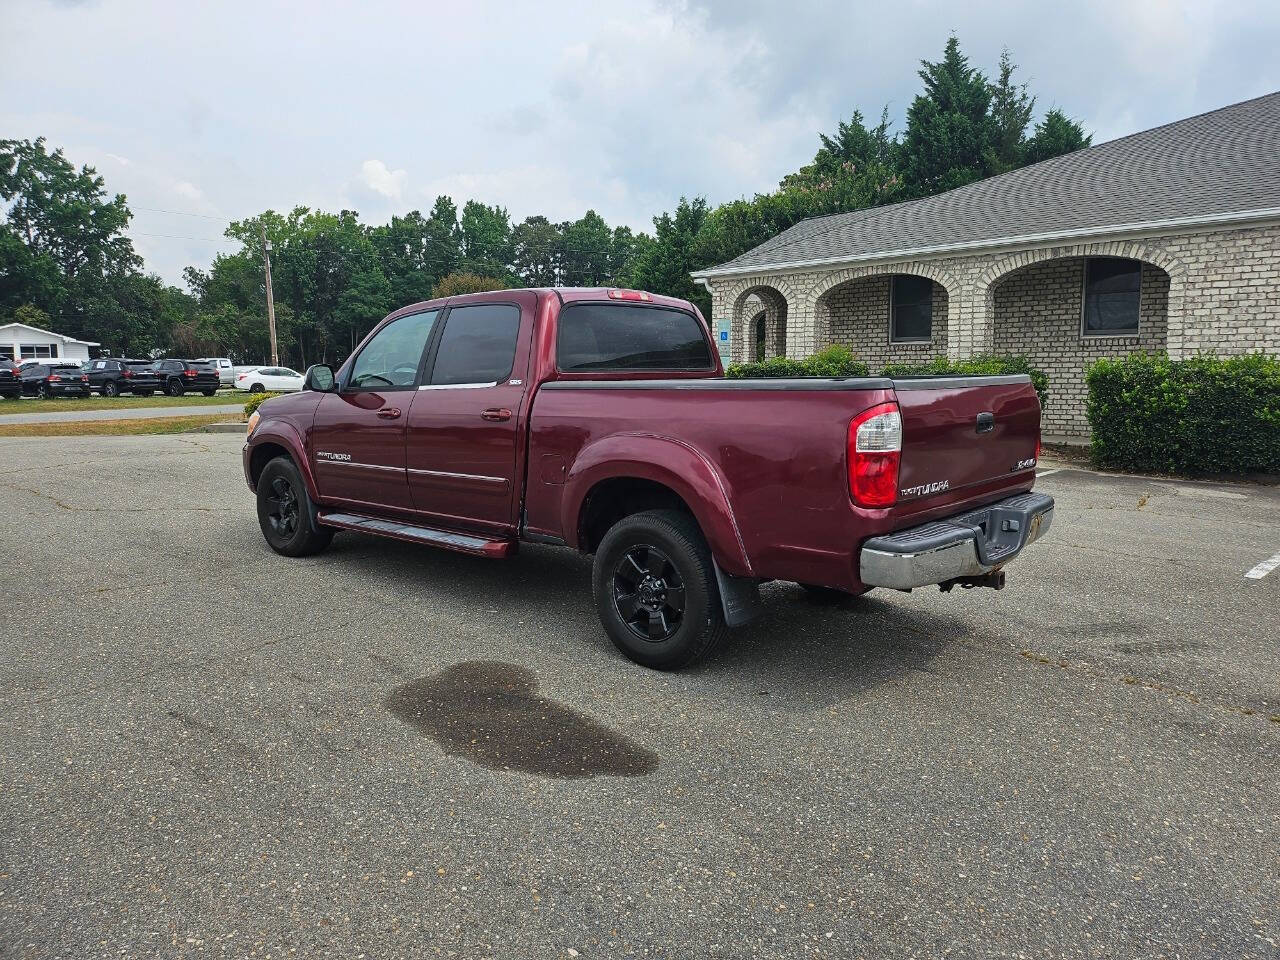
<point x="486" y="240"/>
<point x="949" y="126"/>
<point x="536" y="251"/>
<point x="1055" y="135"/>
<point x="1011" y="109"/>
<point x="664" y="267"/>
<point x="456" y="284"/>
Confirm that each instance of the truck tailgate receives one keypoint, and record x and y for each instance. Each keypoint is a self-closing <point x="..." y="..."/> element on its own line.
<point x="964" y="432"/>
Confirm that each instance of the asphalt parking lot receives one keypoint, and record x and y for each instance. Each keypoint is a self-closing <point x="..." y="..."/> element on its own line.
<point x="209" y="750"/>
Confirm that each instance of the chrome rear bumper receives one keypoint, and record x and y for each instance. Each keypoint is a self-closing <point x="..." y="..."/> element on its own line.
<point x="970" y="544"/>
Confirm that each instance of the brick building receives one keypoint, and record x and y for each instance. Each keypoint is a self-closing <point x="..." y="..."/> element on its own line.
<point x="1164" y="240"/>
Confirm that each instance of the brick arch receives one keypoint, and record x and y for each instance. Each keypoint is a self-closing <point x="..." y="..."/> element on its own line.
<point x="817" y="307"/>
<point x="1130" y="249"/>
<point x="775" y="295"/>
<point x="990" y="278"/>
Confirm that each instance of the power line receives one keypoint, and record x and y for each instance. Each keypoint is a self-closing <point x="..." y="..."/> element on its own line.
<point x="180" y="213"/>
<point x="171" y="236"/>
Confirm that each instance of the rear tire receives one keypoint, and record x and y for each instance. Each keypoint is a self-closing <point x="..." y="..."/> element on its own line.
<point x="655" y="590"/>
<point x="174" y="388"/>
<point x="285" y="512"/>
<point x="46" y="392"/>
<point x="257" y="388"/>
<point x="208" y="393"/>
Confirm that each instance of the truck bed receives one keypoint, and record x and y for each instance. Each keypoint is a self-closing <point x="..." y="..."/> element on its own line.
<point x="774" y="454"/>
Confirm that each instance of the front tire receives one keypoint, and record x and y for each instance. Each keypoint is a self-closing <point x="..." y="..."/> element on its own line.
<point x="109" y="389"/>
<point x="655" y="590"/>
<point x="285" y="512"/>
<point x="208" y="393"/>
<point x="174" y="388"/>
<point x="257" y="388"/>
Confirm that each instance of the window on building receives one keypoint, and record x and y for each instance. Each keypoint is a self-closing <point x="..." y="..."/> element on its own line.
<point x="478" y="344"/>
<point x="6" y="351"/>
<point x="760" y="337"/>
<point x="910" y="309"/>
<point x="38" y="350"/>
<point x="1112" y="296"/>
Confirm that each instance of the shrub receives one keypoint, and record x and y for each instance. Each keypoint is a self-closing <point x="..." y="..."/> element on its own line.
<point x="984" y="364"/>
<point x="255" y="401"/>
<point x="1201" y="415"/>
<point x="834" y="361"/>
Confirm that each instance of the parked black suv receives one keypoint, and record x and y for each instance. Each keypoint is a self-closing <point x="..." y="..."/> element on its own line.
<point x="176" y="377"/>
<point x="54" y="380"/>
<point x="112" y="376"/>
<point x="10" y="380"/>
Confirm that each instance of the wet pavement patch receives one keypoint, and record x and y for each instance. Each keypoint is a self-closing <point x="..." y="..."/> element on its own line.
<point x="490" y="713"/>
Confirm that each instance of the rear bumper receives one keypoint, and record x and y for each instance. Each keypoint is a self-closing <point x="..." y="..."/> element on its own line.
<point x="970" y="544"/>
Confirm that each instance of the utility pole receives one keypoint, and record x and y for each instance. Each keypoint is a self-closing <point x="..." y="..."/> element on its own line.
<point x="271" y="299"/>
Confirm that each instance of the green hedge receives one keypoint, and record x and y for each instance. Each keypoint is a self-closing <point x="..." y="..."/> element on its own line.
<point x="255" y="401"/>
<point x="1203" y="415"/>
<point x="984" y="364"/>
<point x="834" y="361"/>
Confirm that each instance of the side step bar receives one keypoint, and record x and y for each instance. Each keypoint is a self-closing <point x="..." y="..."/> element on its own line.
<point x="460" y="542"/>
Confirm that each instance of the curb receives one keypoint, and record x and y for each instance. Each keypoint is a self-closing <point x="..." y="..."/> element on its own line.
<point x="229" y="426"/>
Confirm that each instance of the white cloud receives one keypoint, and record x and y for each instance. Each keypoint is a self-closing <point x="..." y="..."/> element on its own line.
<point x="390" y="183"/>
<point x="651" y="99"/>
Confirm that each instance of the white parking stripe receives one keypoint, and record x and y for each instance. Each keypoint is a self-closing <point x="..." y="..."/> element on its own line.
<point x="1045" y="473"/>
<point x="1265" y="567"/>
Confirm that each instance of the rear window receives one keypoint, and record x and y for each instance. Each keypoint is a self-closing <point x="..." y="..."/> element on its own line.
<point x="616" y="336"/>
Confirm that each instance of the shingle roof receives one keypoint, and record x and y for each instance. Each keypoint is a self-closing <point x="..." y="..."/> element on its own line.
<point x="1219" y="163"/>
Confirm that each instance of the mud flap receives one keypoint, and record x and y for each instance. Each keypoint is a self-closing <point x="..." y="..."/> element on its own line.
<point x="739" y="597"/>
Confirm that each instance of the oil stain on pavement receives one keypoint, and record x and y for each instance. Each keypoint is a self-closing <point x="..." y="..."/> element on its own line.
<point x="490" y="713"/>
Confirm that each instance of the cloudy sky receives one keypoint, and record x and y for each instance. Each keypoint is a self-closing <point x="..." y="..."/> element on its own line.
<point x="223" y="109"/>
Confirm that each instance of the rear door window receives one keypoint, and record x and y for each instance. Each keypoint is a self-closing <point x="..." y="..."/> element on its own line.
<point x="615" y="336"/>
<point x="478" y="345"/>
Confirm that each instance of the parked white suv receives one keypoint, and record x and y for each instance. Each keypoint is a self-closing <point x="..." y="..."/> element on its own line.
<point x="226" y="376"/>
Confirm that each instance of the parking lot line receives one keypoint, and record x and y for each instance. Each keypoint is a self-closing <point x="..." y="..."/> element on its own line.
<point x="1265" y="567"/>
<point x="1045" y="473"/>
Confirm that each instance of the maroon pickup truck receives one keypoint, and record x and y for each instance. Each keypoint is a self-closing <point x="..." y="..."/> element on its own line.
<point x="600" y="420"/>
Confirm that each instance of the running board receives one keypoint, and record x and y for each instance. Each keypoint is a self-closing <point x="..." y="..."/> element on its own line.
<point x="459" y="542"/>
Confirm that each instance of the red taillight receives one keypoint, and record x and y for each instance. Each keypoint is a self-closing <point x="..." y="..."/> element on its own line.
<point x="54" y="376"/>
<point x="875" y="452"/>
<point x="1037" y="448"/>
<point x="629" y="295"/>
<point x="190" y="373"/>
<point x="242" y="376"/>
<point x="128" y="374"/>
<point x="85" y="379"/>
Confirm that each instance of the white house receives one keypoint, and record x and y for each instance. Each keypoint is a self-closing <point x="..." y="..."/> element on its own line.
<point x="18" y="341"/>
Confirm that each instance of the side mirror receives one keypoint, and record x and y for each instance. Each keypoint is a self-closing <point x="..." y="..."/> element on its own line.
<point x="320" y="378"/>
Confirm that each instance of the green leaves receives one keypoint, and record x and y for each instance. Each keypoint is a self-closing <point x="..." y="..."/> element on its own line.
<point x="834" y="361"/>
<point x="1201" y="415"/>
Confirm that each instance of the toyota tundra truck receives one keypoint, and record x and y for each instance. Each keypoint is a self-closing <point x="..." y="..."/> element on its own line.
<point x="600" y="420"/>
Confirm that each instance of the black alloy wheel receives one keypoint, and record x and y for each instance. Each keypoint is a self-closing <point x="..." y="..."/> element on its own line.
<point x="282" y="509"/>
<point x="648" y="593"/>
<point x="109" y="389"/>
<point x="285" y="512"/>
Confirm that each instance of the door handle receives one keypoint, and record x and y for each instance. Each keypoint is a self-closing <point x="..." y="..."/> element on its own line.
<point x="496" y="414"/>
<point x="389" y="413"/>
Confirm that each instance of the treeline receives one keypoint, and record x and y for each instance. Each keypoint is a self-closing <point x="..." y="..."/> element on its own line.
<point x="67" y="263"/>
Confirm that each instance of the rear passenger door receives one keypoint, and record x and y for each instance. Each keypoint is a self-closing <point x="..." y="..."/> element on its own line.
<point x="465" y="420"/>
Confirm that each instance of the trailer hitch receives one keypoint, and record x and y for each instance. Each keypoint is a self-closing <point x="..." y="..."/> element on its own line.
<point x="994" y="580"/>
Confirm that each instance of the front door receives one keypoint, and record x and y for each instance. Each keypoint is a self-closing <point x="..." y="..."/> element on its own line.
<point x="464" y="422"/>
<point x="357" y="440"/>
